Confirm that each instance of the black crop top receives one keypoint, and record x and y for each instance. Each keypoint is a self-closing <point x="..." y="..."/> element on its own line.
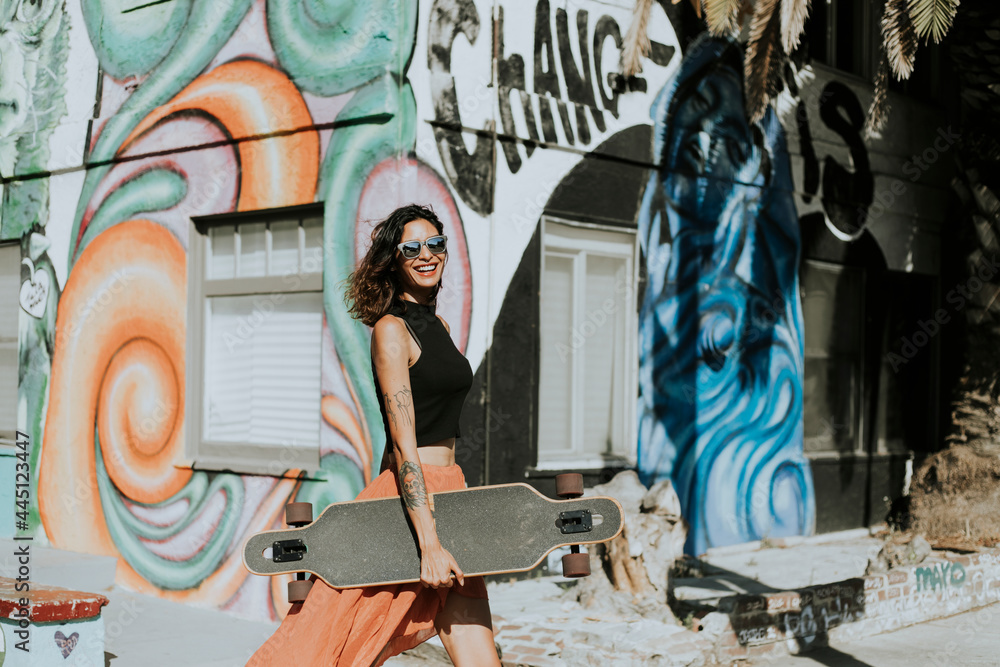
<point x="440" y="379"/>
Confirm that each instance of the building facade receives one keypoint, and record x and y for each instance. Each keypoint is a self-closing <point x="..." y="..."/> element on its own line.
<point x="640" y="276"/>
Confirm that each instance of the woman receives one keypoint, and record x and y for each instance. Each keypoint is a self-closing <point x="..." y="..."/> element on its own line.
<point x="422" y="381"/>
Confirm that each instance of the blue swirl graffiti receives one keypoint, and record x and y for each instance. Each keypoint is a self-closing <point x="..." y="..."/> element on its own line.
<point x="721" y="351"/>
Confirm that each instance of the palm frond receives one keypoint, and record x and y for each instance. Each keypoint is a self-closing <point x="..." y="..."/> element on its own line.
<point x="932" y="18"/>
<point x="899" y="38"/>
<point x="696" y="4"/>
<point x="878" y="112"/>
<point x="793" y="22"/>
<point x="636" y="39"/>
<point x="723" y="16"/>
<point x="762" y="65"/>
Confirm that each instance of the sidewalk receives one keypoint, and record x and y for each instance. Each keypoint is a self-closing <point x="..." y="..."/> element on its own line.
<point x="967" y="640"/>
<point x="778" y="565"/>
<point x="751" y="603"/>
<point x="768" y="603"/>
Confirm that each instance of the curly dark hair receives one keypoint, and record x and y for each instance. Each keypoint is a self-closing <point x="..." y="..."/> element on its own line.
<point x="374" y="288"/>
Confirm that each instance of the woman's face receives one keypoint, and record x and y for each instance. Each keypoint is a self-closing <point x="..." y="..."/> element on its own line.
<point x="710" y="153"/>
<point x="420" y="274"/>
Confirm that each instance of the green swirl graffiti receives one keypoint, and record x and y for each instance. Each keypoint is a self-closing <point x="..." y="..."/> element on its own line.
<point x="330" y="46"/>
<point x="153" y="190"/>
<point x="337" y="480"/>
<point x="209" y="27"/>
<point x="126" y="530"/>
<point x="131" y="43"/>
<point x="353" y="154"/>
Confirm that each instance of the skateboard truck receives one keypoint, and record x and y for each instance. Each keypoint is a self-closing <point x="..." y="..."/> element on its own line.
<point x="576" y="563"/>
<point x="577" y="521"/>
<point x="286" y="551"/>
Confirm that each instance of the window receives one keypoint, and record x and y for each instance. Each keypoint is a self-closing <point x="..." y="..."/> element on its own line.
<point x="846" y="34"/>
<point x="931" y="81"/>
<point x="588" y="329"/>
<point x="10" y="291"/>
<point x="255" y="316"/>
<point x="906" y="417"/>
<point x="833" y="318"/>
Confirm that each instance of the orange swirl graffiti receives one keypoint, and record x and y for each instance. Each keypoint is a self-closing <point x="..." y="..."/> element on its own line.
<point x="252" y="99"/>
<point x="226" y="580"/>
<point x="119" y="358"/>
<point x="118" y="364"/>
<point x="139" y="416"/>
<point x="337" y="414"/>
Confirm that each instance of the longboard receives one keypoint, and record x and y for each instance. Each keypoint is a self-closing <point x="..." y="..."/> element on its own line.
<point x="489" y="530"/>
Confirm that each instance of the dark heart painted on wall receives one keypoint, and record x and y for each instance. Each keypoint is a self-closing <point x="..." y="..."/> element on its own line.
<point x="721" y="334"/>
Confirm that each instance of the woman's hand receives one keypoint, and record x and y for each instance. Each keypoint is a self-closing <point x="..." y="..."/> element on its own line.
<point x="436" y="566"/>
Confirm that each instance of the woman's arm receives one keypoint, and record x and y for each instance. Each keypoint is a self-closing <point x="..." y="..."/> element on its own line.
<point x="390" y="349"/>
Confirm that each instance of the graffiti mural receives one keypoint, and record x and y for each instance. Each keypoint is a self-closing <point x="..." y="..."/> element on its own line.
<point x="33" y="51"/>
<point x="274" y="104"/>
<point x="721" y="337"/>
<point x="497" y="114"/>
<point x="556" y="70"/>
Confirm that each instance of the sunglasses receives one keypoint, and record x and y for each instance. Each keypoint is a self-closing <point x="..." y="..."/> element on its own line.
<point x="436" y="244"/>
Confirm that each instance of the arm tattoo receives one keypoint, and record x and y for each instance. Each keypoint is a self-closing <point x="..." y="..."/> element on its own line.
<point x="411" y="480"/>
<point x="403" y="401"/>
<point x="388" y="408"/>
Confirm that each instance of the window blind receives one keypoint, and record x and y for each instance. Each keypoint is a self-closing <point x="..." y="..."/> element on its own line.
<point x="603" y="354"/>
<point x="555" y="392"/>
<point x="262" y="374"/>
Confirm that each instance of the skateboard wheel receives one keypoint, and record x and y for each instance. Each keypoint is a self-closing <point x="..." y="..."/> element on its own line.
<point x="298" y="590"/>
<point x="298" y="514"/>
<point x="569" y="485"/>
<point x="576" y="565"/>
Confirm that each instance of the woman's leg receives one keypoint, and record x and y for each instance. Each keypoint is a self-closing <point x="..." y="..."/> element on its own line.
<point x="466" y="630"/>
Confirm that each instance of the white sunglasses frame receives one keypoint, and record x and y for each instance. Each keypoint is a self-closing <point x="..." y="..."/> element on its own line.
<point x="423" y="244"/>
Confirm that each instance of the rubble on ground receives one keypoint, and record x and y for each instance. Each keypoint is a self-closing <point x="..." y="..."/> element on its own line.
<point x="899" y="552"/>
<point x="631" y="573"/>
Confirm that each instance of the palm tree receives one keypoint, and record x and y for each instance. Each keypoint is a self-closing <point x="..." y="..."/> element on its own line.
<point x="954" y="491"/>
<point x="975" y="52"/>
<point x="775" y="30"/>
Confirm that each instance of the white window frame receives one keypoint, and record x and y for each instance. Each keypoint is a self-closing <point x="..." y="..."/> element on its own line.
<point x="242" y="457"/>
<point x="556" y="235"/>
<point x="8" y="437"/>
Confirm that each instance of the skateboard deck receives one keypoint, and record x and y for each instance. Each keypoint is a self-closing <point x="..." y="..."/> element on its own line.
<point x="489" y="530"/>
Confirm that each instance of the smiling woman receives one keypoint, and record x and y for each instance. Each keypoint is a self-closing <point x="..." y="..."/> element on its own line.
<point x="377" y="283"/>
<point x="421" y="380"/>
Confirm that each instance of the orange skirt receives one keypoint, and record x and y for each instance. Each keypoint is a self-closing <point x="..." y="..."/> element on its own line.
<point x="362" y="627"/>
